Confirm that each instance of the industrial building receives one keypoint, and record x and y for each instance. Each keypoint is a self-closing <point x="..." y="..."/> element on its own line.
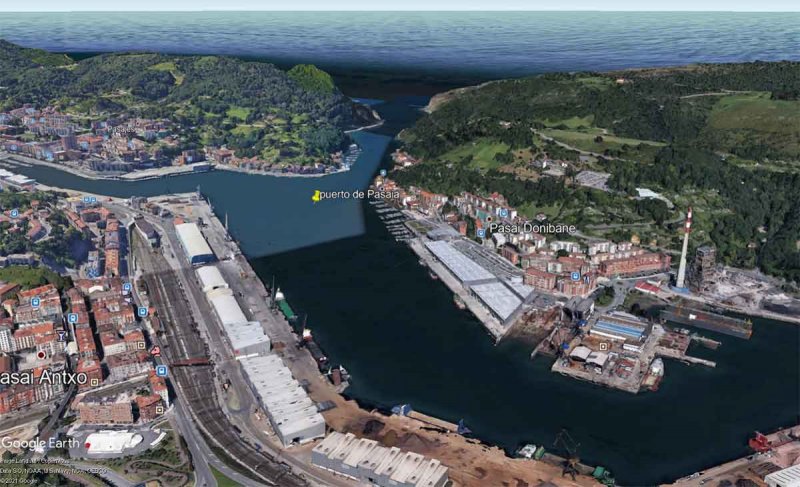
<point x="248" y="339"/>
<point x="147" y="231"/>
<point x="210" y="278"/>
<point x="788" y="477"/>
<point x="498" y="299"/>
<point x="620" y="326"/>
<point x="293" y="416"/>
<point x="225" y="305"/>
<point x="461" y="266"/>
<point x="365" y="460"/>
<point x="704" y="266"/>
<point x="194" y="244"/>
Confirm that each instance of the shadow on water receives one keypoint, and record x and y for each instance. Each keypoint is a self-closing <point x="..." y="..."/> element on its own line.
<point x="373" y="308"/>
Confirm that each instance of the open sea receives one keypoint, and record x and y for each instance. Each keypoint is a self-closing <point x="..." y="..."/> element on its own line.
<point x="474" y="44"/>
<point x="372" y="307"/>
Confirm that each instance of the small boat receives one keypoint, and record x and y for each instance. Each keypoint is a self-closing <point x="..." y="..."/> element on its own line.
<point x="459" y="302"/>
<point x="527" y="451"/>
<point x="433" y="276"/>
<point x="654" y="375"/>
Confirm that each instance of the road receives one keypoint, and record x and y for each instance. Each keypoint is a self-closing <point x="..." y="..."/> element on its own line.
<point x="202" y="456"/>
<point x="44" y="433"/>
<point x="102" y="472"/>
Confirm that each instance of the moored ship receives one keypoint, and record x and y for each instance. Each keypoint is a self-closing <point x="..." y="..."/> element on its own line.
<point x="654" y="375"/>
<point x="691" y="316"/>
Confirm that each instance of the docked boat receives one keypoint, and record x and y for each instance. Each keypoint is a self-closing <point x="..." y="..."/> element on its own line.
<point x="433" y="276"/>
<point x="459" y="302"/>
<point x="527" y="451"/>
<point x="654" y="375"/>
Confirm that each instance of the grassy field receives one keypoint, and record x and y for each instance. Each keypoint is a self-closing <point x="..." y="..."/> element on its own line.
<point x="634" y="149"/>
<point x="482" y="152"/>
<point x="530" y="210"/>
<point x="238" y="112"/>
<point x="736" y="119"/>
<point x="755" y="111"/>
<point x="222" y="480"/>
<point x="173" y="70"/>
<point x="571" y="123"/>
<point x="29" y="277"/>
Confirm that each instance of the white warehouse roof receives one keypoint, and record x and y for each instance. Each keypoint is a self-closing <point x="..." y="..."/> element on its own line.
<point x="210" y="278"/>
<point x="111" y="441"/>
<point x="788" y="477"/>
<point x="364" y="459"/>
<point x="193" y="241"/>
<point x="498" y="298"/>
<point x="245" y="336"/>
<point x="293" y="415"/>
<point x="464" y="268"/>
<point x="228" y="310"/>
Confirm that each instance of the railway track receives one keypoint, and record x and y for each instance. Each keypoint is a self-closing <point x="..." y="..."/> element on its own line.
<point x="181" y="342"/>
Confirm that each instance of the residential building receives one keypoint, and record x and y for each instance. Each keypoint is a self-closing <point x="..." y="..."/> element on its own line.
<point x="149" y="407"/>
<point x="540" y="280"/>
<point x="106" y="410"/>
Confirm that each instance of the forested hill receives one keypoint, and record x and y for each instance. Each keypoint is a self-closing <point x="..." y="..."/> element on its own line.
<point x="724" y="138"/>
<point x="214" y="92"/>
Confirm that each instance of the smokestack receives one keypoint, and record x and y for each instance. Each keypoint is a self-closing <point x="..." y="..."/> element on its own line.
<point x="687" y="229"/>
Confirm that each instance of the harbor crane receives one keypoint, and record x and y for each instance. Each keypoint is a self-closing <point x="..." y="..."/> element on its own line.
<point x="564" y="440"/>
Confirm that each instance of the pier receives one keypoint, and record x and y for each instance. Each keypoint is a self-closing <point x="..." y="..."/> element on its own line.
<point x="678" y="355"/>
<point x="493" y="326"/>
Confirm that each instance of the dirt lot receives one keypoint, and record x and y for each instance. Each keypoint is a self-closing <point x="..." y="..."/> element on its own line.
<point x="471" y="463"/>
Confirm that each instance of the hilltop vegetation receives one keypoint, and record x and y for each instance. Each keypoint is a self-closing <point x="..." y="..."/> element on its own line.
<point x="312" y="78"/>
<point x="724" y="138"/>
<point x="252" y="107"/>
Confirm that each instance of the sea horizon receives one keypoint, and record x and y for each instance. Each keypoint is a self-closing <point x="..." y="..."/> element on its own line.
<point x="470" y="44"/>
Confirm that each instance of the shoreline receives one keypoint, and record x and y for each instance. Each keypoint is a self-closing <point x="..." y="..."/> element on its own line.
<point x="492" y="326"/>
<point x="346" y="422"/>
<point x="148" y="174"/>
<point x="444" y="444"/>
<point x="167" y="171"/>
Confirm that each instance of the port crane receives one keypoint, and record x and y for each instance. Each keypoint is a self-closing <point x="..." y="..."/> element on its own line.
<point x="564" y="440"/>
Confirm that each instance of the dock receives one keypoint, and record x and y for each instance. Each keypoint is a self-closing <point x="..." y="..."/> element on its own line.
<point x="707" y="320"/>
<point x="435" y="422"/>
<point x="540" y="347"/>
<point x="678" y="355"/>
<point x="705" y="341"/>
<point x="492" y="325"/>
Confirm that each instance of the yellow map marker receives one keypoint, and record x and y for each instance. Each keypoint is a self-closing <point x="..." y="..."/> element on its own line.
<point x="316" y="198"/>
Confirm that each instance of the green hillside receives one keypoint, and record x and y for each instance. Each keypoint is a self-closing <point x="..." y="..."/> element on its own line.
<point x="312" y="78"/>
<point x="724" y="138"/>
<point x="252" y="107"/>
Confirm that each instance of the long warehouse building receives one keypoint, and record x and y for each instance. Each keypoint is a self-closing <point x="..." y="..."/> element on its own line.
<point x="364" y="460"/>
<point x="462" y="267"/>
<point x="210" y="278"/>
<point x="194" y="244"/>
<point x="246" y="337"/>
<point x="293" y="415"/>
